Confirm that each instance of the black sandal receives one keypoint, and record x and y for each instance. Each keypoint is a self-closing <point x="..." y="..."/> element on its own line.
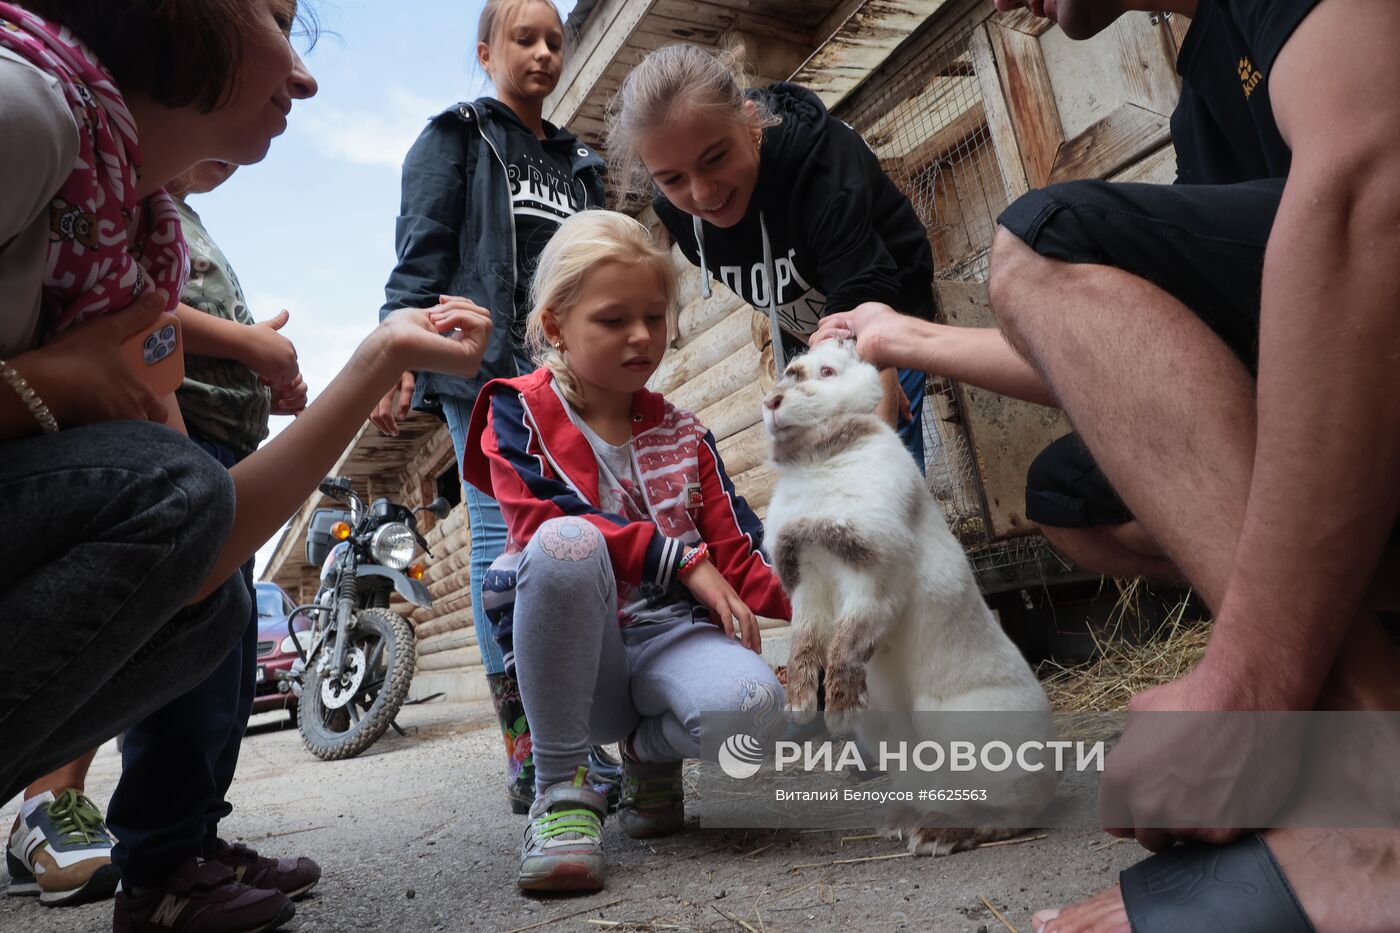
<point x="1236" y="888"/>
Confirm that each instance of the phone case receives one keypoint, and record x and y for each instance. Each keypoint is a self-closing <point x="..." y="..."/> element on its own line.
<point x="156" y="357"/>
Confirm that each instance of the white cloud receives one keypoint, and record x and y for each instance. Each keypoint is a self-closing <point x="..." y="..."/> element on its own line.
<point x="374" y="136"/>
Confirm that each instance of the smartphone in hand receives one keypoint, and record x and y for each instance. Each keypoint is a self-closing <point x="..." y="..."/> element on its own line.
<point x="156" y="355"/>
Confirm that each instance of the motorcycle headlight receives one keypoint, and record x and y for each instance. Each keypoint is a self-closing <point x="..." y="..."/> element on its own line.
<point x="393" y="545"/>
<point x="290" y="647"/>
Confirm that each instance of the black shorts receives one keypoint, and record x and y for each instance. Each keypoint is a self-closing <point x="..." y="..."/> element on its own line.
<point x="1203" y="244"/>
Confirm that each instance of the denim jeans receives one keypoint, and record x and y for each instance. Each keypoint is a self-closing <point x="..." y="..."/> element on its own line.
<point x="106" y="532"/>
<point x="488" y="529"/>
<point x="911" y="431"/>
<point x="178" y="763"/>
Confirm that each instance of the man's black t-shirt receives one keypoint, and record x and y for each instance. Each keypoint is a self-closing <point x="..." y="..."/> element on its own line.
<point x="1223" y="127"/>
<point x="543" y="194"/>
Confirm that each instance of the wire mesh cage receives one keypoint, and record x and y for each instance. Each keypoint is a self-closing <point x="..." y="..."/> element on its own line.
<point x="923" y="115"/>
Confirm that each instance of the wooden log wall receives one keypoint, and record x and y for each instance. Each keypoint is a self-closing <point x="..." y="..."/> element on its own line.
<point x="447" y="644"/>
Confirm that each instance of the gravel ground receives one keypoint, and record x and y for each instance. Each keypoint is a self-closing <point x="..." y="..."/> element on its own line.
<point x="415" y="835"/>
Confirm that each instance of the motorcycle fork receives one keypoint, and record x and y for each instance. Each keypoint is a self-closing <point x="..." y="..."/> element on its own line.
<point x="345" y="592"/>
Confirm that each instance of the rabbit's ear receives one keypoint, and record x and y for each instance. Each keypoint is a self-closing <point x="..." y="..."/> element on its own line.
<point x="847" y="343"/>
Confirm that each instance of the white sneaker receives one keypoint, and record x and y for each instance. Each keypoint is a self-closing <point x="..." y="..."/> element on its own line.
<point x="563" y="845"/>
<point x="61" y="851"/>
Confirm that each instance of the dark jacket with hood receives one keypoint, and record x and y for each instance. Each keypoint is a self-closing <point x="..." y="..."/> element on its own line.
<point x="825" y="221"/>
<point x="455" y="233"/>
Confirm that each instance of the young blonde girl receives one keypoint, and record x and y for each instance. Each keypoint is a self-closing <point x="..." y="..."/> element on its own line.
<point x="484" y="188"/>
<point x="632" y="562"/>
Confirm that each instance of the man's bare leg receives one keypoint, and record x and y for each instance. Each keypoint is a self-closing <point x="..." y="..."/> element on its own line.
<point x="1187" y="480"/>
<point x="1187" y="476"/>
<point x="1125" y="550"/>
<point x="1085" y="328"/>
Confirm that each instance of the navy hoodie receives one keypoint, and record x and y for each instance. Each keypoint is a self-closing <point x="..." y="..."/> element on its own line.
<point x="839" y="232"/>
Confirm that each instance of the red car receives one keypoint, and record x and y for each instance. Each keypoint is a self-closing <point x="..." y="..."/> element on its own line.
<point x="276" y="653"/>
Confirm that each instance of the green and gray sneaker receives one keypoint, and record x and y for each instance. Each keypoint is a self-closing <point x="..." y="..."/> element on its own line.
<point x="653" y="798"/>
<point x="563" y="848"/>
<point x="61" y="851"/>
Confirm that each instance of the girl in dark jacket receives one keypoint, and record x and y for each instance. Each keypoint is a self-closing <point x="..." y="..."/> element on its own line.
<point x="484" y="188"/>
<point x="764" y="186"/>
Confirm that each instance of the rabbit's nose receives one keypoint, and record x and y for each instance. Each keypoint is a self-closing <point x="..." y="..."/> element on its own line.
<point x="773" y="401"/>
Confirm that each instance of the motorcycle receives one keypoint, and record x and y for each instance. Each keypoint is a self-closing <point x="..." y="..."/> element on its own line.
<point x="358" y="658"/>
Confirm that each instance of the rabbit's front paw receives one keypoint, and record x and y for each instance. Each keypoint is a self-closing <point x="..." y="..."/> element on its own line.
<point x="841" y="722"/>
<point x="802" y="712"/>
<point x="845" y="687"/>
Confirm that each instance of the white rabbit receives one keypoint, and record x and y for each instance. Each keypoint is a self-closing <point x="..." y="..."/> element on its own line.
<point x="882" y="593"/>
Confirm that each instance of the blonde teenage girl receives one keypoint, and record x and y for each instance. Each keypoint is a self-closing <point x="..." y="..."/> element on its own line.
<point x="783" y="203"/>
<point x="484" y="188"/>
<point x="637" y="561"/>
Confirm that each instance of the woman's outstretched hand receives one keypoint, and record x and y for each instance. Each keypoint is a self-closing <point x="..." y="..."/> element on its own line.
<point x="419" y="333"/>
<point x="708" y="586"/>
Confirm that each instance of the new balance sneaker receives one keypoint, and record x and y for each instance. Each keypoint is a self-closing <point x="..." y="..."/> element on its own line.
<point x="200" y="897"/>
<point x="61" y="851"/>
<point x="653" y="798"/>
<point x="563" y="847"/>
<point x="294" y="877"/>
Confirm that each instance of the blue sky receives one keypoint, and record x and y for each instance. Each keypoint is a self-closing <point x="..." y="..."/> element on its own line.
<point x="311" y="227"/>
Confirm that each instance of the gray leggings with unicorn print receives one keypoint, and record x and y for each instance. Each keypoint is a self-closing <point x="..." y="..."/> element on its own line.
<point x="586" y="680"/>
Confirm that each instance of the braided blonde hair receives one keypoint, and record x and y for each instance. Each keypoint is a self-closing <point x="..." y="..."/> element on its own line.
<point x="577" y="247"/>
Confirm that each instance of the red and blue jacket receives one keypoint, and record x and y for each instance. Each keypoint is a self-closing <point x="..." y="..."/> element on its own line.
<point x="524" y="449"/>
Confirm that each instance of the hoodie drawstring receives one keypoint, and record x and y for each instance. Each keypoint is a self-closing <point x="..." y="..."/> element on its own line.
<point x="698" y="227"/>
<point x="771" y="273"/>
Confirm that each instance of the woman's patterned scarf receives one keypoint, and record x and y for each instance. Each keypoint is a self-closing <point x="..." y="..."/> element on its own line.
<point x="106" y="249"/>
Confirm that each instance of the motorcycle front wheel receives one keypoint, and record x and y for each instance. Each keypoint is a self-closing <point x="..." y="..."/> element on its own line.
<point x="341" y="717"/>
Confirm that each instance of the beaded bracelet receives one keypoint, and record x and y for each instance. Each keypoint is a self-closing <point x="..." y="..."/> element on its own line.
<point x="692" y="559"/>
<point x="29" y="397"/>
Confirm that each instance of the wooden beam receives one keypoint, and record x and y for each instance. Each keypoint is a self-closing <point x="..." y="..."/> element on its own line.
<point x="718" y="382"/>
<point x="1113" y="143"/>
<point x="1159" y="168"/>
<point x="1023" y="20"/>
<point x="769" y="58"/>
<point x="717" y="343"/>
<point x="723" y="15"/>
<point x="743" y="451"/>
<point x="1147" y="62"/>
<point x="733" y="414"/>
<point x="1030" y="100"/>
<point x="607" y="31"/>
<point x="864" y="40"/>
<point x="972" y="121"/>
<point x="1008" y="151"/>
<point x="698" y="316"/>
<point x="1177" y="26"/>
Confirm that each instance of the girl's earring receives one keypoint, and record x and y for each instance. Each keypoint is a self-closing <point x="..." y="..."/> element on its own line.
<point x="559" y="345"/>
